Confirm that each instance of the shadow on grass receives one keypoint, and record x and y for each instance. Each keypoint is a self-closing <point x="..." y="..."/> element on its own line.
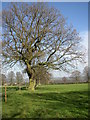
<point x="69" y="104"/>
<point x="48" y="104"/>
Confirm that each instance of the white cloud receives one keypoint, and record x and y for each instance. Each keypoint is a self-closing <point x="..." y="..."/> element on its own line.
<point x="84" y="36"/>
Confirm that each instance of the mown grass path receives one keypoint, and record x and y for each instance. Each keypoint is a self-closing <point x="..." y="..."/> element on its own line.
<point x="47" y="101"/>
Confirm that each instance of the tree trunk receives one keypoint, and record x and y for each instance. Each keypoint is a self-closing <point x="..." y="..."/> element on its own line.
<point x="32" y="84"/>
<point x="39" y="82"/>
<point x="31" y="77"/>
<point x="36" y="83"/>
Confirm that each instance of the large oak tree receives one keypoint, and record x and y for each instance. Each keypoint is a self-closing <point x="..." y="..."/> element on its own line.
<point x="37" y="35"/>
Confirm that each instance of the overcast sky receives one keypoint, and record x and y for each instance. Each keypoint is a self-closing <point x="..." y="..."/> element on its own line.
<point x="77" y="14"/>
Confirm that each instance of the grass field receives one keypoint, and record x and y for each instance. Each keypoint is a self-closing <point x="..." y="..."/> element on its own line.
<point x="48" y="101"/>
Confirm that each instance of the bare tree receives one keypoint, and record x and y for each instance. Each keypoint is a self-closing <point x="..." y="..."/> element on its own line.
<point x="19" y="78"/>
<point x="42" y="76"/>
<point x="76" y="75"/>
<point x="11" y="77"/>
<point x="4" y="79"/>
<point x="64" y="79"/>
<point x="86" y="73"/>
<point x="37" y="35"/>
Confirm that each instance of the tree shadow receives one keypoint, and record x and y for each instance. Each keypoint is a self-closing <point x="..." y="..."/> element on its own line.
<point x="45" y="105"/>
<point x="73" y="103"/>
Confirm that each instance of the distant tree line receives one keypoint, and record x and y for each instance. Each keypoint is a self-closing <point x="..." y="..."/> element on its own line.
<point x="42" y="76"/>
<point x="75" y="77"/>
<point x="12" y="79"/>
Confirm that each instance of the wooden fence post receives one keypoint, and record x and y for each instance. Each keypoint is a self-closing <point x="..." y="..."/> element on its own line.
<point x="5" y="94"/>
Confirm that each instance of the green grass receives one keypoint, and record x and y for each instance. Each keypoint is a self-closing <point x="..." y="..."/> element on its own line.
<point x="48" y="101"/>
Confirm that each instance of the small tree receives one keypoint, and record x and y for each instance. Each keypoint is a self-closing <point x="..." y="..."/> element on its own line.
<point x="11" y="77"/>
<point x="3" y="79"/>
<point x="42" y="76"/>
<point x="64" y="80"/>
<point x="86" y="73"/>
<point x="19" y="78"/>
<point x="76" y="75"/>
